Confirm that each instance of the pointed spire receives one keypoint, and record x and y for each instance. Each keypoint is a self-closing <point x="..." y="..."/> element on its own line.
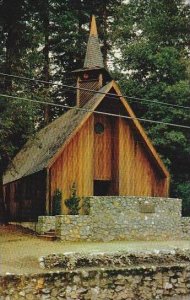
<point x="93" y="27"/>
<point x="93" y="58"/>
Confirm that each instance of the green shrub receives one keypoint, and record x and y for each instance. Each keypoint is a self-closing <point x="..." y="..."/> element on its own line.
<point x="73" y="202"/>
<point x="183" y="192"/>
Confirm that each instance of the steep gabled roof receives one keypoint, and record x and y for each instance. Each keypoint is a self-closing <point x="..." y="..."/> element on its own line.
<point x="93" y="58"/>
<point x="42" y="150"/>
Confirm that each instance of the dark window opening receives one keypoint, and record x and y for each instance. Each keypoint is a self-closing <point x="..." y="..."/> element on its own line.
<point x="99" y="128"/>
<point x="101" y="187"/>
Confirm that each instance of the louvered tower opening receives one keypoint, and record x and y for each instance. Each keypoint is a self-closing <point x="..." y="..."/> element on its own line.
<point x="89" y="80"/>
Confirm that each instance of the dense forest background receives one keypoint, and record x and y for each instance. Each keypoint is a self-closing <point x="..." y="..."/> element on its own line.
<point x="147" y="44"/>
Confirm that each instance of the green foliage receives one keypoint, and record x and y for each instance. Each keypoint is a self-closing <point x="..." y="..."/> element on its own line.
<point x="183" y="189"/>
<point x="56" y="202"/>
<point x="86" y="205"/>
<point x="17" y="118"/>
<point x="73" y="202"/>
<point x="154" y="51"/>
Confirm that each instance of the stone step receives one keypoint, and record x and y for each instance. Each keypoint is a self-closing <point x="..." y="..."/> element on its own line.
<point x="47" y="237"/>
<point x="50" y="233"/>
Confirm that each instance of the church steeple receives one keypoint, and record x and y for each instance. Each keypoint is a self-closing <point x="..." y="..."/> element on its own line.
<point x="93" y="75"/>
<point x="93" y="58"/>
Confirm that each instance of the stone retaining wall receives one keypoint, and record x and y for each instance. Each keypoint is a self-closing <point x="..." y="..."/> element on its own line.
<point x="45" y="224"/>
<point x="74" y="227"/>
<point x="185" y="227"/>
<point x="140" y="283"/>
<point x="123" y="218"/>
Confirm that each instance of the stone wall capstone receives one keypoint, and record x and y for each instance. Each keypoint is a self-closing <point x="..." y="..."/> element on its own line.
<point x="120" y="259"/>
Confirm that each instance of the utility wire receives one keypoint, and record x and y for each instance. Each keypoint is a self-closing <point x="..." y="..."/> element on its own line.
<point x="94" y="111"/>
<point x="96" y="92"/>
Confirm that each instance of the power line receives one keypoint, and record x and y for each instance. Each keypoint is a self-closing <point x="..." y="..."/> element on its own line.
<point x="95" y="111"/>
<point x="133" y="98"/>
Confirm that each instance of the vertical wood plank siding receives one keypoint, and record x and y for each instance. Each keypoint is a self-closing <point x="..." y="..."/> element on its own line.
<point x="137" y="174"/>
<point x="117" y="155"/>
<point x="75" y="165"/>
<point x="103" y="149"/>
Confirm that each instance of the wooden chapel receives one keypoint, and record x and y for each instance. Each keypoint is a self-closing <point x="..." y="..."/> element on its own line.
<point x="98" y="145"/>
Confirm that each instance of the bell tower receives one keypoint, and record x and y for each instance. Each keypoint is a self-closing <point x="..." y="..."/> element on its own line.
<point x="93" y="75"/>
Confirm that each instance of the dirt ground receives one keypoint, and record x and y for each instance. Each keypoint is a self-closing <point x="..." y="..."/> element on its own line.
<point x="20" y="249"/>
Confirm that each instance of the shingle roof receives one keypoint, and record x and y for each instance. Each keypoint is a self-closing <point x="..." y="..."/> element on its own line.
<point x="93" y="56"/>
<point x="41" y="148"/>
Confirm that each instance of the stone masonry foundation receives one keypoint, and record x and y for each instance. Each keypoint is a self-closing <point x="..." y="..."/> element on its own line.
<point x="140" y="283"/>
<point x="121" y="218"/>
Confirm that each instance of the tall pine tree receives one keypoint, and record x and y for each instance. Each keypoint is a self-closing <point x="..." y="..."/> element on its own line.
<point x="16" y="118"/>
<point x="153" y="38"/>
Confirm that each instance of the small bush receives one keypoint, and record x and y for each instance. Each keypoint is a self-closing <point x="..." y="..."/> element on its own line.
<point x="73" y="202"/>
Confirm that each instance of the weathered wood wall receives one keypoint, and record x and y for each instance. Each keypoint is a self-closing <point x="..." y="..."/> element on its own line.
<point x="25" y="198"/>
<point x="103" y="149"/>
<point x="138" y="175"/>
<point x="117" y="155"/>
<point x="75" y="165"/>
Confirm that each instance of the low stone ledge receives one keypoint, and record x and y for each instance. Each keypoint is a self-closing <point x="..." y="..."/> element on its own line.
<point x="143" y="283"/>
<point x="71" y="261"/>
<point x="73" y="227"/>
<point x="28" y="225"/>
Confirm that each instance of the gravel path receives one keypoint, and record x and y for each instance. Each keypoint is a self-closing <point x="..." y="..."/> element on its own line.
<point x="20" y="250"/>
